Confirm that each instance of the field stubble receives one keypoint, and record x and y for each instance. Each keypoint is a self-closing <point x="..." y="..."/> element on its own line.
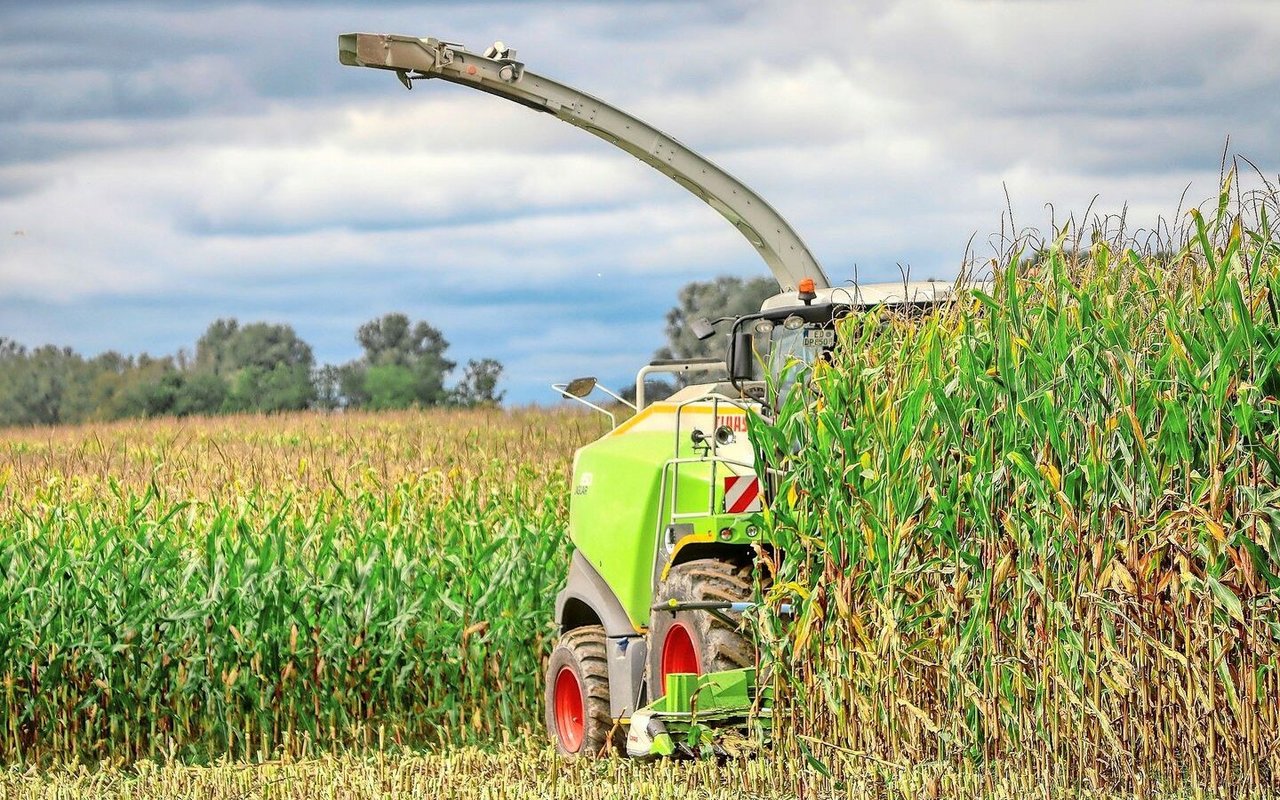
<point x="521" y="773"/>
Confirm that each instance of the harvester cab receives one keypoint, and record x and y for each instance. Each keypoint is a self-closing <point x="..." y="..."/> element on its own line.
<point x="664" y="514"/>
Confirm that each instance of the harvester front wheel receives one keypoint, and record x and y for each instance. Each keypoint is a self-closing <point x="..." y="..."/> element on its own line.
<point x="698" y="641"/>
<point x="577" y="694"/>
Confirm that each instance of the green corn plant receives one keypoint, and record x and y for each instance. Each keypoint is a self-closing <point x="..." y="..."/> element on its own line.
<point x="404" y="599"/>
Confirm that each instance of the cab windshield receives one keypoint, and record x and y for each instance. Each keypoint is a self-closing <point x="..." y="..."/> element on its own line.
<point x="794" y="347"/>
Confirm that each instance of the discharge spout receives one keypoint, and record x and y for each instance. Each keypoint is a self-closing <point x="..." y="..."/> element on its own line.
<point x="497" y="72"/>
<point x="383" y="51"/>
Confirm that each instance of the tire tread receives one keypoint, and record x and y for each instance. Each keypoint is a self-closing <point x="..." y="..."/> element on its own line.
<point x="584" y="647"/>
<point x="724" y="646"/>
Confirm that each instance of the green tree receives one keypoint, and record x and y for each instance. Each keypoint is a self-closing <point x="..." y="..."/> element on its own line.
<point x="285" y="387"/>
<point x="258" y="367"/>
<point x="351" y="384"/>
<point x="213" y="348"/>
<point x="108" y="374"/>
<point x="390" y="386"/>
<point x="200" y="393"/>
<point x="45" y="386"/>
<point x="479" y="384"/>
<point x="150" y="389"/>
<point x="393" y="341"/>
<point x="265" y="367"/>
<point x="13" y="374"/>
<point x="327" y="380"/>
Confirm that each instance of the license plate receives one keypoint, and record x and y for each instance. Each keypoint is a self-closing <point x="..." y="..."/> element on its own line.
<point x="819" y="337"/>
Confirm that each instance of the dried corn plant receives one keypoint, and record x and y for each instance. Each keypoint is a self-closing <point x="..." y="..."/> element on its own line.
<point x="1040" y="529"/>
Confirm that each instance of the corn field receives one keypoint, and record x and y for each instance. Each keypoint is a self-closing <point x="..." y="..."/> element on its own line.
<point x="239" y="586"/>
<point x="1032" y="541"/>
<point x="1041" y="528"/>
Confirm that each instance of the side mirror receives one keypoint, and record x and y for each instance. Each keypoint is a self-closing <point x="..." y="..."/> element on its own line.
<point x="702" y="328"/>
<point x="580" y="387"/>
<point x="741" y="359"/>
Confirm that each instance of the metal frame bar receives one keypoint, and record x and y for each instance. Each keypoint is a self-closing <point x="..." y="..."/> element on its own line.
<point x="613" y="420"/>
<point x="717" y="608"/>
<point x="667" y="511"/>
<point x="713" y="455"/>
<point x="691" y="365"/>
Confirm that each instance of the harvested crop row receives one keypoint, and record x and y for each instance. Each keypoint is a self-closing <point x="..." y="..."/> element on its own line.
<point x="521" y="773"/>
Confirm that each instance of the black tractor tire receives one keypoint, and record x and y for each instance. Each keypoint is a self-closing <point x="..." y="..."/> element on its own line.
<point x="717" y="644"/>
<point x="578" y="716"/>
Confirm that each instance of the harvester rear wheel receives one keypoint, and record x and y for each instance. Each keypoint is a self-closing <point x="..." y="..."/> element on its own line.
<point x="577" y="695"/>
<point x="698" y="641"/>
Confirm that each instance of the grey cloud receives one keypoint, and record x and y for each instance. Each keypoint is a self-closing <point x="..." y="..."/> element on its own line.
<point x="136" y="60"/>
<point x="176" y="161"/>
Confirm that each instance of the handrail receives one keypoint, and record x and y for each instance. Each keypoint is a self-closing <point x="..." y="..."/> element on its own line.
<point x="674" y="366"/>
<point x="563" y="389"/>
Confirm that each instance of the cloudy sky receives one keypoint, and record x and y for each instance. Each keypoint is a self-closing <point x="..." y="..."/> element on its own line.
<point x="166" y="163"/>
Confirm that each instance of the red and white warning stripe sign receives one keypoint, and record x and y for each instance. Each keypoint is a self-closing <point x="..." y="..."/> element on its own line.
<point x="741" y="494"/>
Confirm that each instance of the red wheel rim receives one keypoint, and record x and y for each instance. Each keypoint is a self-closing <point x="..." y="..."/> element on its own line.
<point x="679" y="653"/>
<point x="568" y="710"/>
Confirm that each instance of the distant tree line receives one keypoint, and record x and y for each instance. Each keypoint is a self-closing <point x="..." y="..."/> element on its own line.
<point x="257" y="367"/>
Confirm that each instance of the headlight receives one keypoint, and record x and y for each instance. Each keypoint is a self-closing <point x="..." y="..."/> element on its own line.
<point x="793" y="323"/>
